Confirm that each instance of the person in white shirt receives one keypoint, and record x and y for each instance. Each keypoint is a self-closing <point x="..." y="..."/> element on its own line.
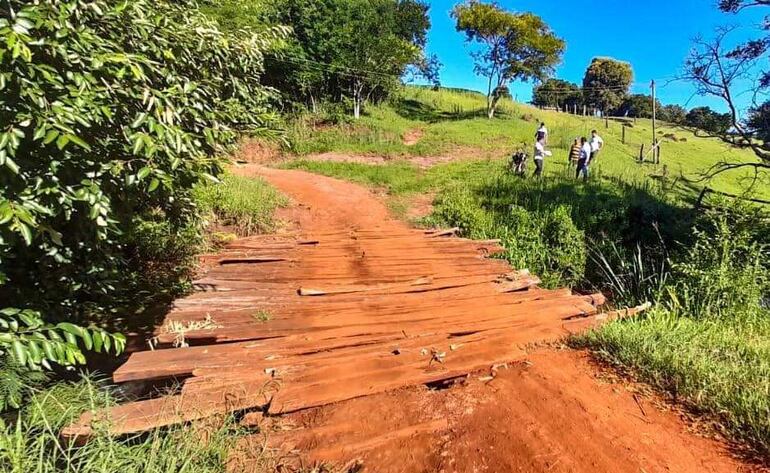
<point x="597" y="143"/>
<point x="540" y="154"/>
<point x="585" y="158"/>
<point x="542" y="134"/>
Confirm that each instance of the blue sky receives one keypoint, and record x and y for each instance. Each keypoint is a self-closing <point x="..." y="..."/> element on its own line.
<point x="653" y="35"/>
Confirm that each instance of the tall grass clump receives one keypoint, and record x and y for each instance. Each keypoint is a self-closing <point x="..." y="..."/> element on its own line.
<point x="30" y="442"/>
<point x="707" y="342"/>
<point x="548" y="243"/>
<point x="245" y="203"/>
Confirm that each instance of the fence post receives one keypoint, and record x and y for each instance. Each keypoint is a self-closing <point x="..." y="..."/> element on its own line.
<point x="657" y="152"/>
<point x="641" y="154"/>
<point x="606" y="122"/>
<point x="623" y="136"/>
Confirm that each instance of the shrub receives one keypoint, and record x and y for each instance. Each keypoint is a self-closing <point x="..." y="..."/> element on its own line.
<point x="725" y="272"/>
<point x="547" y="242"/>
<point x="110" y="110"/>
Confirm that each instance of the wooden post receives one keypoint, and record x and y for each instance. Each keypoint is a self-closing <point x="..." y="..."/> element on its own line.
<point x="606" y="122"/>
<point x="641" y="154"/>
<point x="657" y="153"/>
<point x="654" y="137"/>
<point x="623" y="135"/>
<point x="584" y="110"/>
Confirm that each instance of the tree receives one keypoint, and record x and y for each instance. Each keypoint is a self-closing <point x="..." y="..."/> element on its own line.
<point x="606" y="83"/>
<point x="708" y="120"/>
<point x="637" y="105"/>
<point x="514" y="46"/>
<point x="348" y="50"/>
<point x="557" y="93"/>
<point x="719" y="70"/>
<point x="759" y="121"/>
<point x="673" y="114"/>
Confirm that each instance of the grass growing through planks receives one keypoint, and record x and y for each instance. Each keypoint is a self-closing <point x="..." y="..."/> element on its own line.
<point x="246" y="203"/>
<point x="262" y="316"/>
<point x="30" y="442"/>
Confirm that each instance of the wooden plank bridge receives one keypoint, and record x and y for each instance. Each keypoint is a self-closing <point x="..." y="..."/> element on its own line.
<point x="283" y="323"/>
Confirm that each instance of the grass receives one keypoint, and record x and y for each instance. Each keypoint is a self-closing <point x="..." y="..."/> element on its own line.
<point x="247" y="204"/>
<point x="30" y="443"/>
<point x="719" y="367"/>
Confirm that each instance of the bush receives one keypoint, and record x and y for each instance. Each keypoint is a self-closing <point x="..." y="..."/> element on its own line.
<point x="111" y="110"/>
<point x="725" y="272"/>
<point x="708" y="342"/>
<point x="548" y="243"/>
<point x="247" y="204"/>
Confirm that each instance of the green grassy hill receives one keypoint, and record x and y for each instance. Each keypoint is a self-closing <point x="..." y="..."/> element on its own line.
<point x="452" y="123"/>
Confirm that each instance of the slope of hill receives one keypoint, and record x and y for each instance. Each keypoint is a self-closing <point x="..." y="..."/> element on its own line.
<point x="450" y="124"/>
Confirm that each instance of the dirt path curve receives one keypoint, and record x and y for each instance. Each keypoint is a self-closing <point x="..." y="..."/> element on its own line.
<point x="549" y="413"/>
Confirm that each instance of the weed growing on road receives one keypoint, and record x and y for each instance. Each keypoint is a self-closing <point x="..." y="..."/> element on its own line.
<point x="245" y="203"/>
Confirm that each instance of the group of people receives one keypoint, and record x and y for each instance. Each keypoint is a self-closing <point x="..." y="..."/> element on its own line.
<point x="582" y="153"/>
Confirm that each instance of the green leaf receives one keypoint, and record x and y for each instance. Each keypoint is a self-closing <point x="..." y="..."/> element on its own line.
<point x="87" y="341"/>
<point x="78" y="141"/>
<point x="98" y="341"/>
<point x="39" y="133"/>
<point x="49" y="351"/>
<point x="71" y="328"/>
<point x="50" y="136"/>
<point x="10" y="164"/>
<point x="154" y="183"/>
<point x="26" y="233"/>
<point x="62" y="141"/>
<point x="19" y="352"/>
<point x="144" y="172"/>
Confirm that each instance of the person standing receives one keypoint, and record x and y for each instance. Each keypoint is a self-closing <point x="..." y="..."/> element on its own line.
<point x="574" y="152"/>
<point x="540" y="154"/>
<point x="597" y="143"/>
<point x="542" y="134"/>
<point x="584" y="160"/>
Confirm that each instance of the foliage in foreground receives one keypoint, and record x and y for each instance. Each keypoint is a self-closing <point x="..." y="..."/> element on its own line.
<point x="29" y="440"/>
<point x="112" y="112"/>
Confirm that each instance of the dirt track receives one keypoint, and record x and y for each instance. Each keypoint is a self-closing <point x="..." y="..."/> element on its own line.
<point x="547" y="414"/>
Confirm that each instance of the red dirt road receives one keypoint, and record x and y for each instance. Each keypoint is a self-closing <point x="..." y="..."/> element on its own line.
<point x="550" y="413"/>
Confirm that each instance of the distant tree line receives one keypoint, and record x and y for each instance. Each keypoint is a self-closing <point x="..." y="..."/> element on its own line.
<point x="606" y="88"/>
